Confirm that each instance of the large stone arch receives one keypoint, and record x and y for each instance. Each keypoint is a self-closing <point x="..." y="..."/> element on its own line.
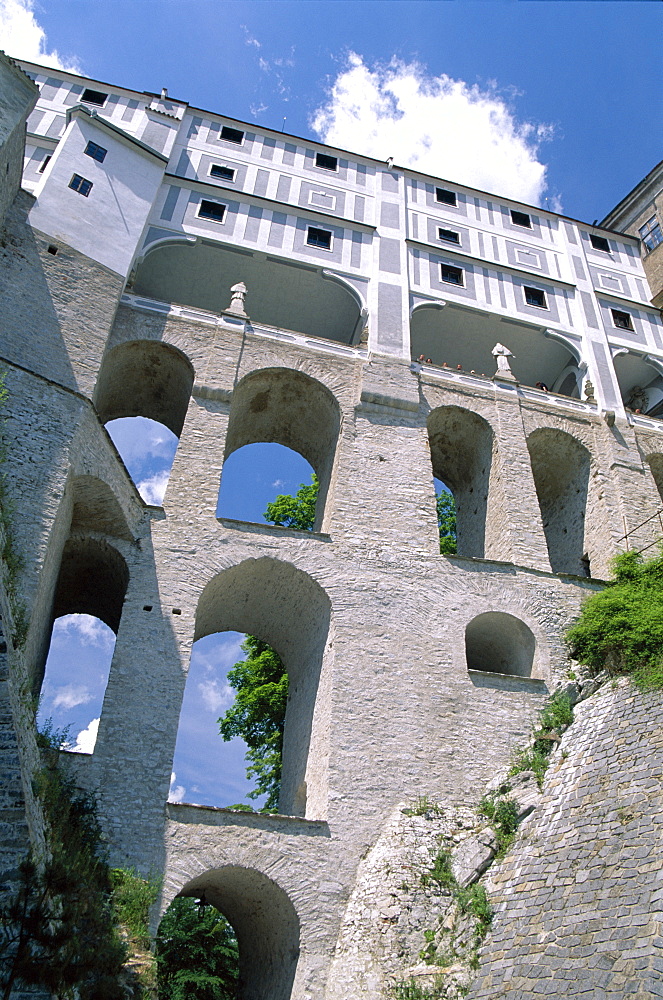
<point x="561" y="469"/>
<point x="498" y="642"/>
<point x="286" y="406"/>
<point x="461" y="446"/>
<point x="285" y="607"/>
<point x="96" y="508"/>
<point x="265" y="922"/>
<point x="145" y="378"/>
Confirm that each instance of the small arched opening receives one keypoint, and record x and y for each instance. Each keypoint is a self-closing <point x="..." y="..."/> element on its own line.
<point x="561" y="467"/>
<point x="286" y="407"/>
<point x="461" y="446"/>
<point x="284" y="607"/>
<point x="142" y="395"/>
<point x="265" y="923"/>
<point x="640" y="383"/>
<point x="496" y="642"/>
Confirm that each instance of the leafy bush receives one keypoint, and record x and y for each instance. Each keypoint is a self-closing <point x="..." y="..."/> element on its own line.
<point x="474" y="900"/>
<point x="132" y="897"/>
<point x="446" y="522"/>
<point x="620" y="629"/>
<point x="555" y="717"/>
<point x="441" y="872"/>
<point x="197" y="954"/>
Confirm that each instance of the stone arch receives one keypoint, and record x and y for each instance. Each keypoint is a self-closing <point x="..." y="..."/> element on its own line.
<point x="501" y="643"/>
<point x="265" y="922"/>
<point x="286" y="406"/>
<point x="96" y="508"/>
<point x="145" y="378"/>
<point x="284" y="606"/>
<point x="561" y="467"/>
<point x="640" y="381"/>
<point x="461" y="447"/>
<point x="569" y="382"/>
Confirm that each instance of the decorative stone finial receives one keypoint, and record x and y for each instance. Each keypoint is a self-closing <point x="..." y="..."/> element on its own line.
<point x="502" y="355"/>
<point x="589" y="392"/>
<point x="237" y="299"/>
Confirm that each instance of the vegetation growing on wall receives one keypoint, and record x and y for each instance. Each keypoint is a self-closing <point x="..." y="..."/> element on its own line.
<point x="620" y="629"/>
<point x="557" y="715"/>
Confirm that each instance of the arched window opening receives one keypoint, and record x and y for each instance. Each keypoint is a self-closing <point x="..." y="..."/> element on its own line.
<point x="561" y="467"/>
<point x="147" y="449"/>
<point x="256" y="475"/>
<point x="207" y="770"/>
<point x="263" y="920"/>
<point x="75" y="678"/>
<point x="461" y="445"/>
<point x="496" y="642"/>
<point x="285" y="407"/>
<point x="285" y="608"/>
<point x="446" y="518"/>
<point x="569" y="382"/>
<point x="640" y="384"/>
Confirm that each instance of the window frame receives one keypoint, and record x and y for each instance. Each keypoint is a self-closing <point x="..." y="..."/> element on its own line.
<point x="222" y="166"/>
<point x="594" y="238"/>
<point x="448" y="197"/>
<point x="211" y="217"/>
<point x="317" y="245"/>
<point x="627" y="324"/>
<point x="652" y="227"/>
<point x="326" y="166"/>
<point x="81" y="185"/>
<point x="536" y="293"/>
<point x="93" y="100"/>
<point x="458" y="280"/>
<point x="94" y="152"/>
<point x="523" y="215"/>
<point x="228" y="129"/>
<point x="454" y="238"/>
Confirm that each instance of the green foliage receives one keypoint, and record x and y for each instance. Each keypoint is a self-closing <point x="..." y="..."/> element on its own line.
<point x="411" y="990"/>
<point x="197" y="954"/>
<point x="423" y="807"/>
<point x="474" y="900"/>
<point x="505" y="822"/>
<point x="258" y="715"/>
<point x="446" y="522"/>
<point x="620" y="629"/>
<point x="441" y="872"/>
<point x="59" y="930"/>
<point x="295" y="512"/>
<point x="133" y="896"/>
<point x="556" y="716"/>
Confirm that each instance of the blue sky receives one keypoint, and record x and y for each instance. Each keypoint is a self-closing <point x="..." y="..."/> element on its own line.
<point x="554" y="103"/>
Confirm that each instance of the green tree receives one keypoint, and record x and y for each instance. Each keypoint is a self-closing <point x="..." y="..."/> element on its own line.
<point x="446" y="522"/>
<point x="258" y="715"/>
<point x="298" y="511"/>
<point x="621" y="628"/>
<point x="197" y="955"/>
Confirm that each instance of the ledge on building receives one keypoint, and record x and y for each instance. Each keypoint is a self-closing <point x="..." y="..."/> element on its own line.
<point x="185" y="812"/>
<point x="471" y="562"/>
<point x="508" y="682"/>
<point x="258" y="528"/>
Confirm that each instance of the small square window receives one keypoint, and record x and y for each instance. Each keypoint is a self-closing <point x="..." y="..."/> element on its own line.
<point x="521" y="219"/>
<point x="454" y="275"/>
<point x="80" y="184"/>
<point x="96" y="152"/>
<point x="444" y="196"/>
<point x="599" y="243"/>
<point x="94" y="97"/>
<point x="535" y="297"/>
<point x="224" y="173"/>
<point x="621" y="319"/>
<point x="319" y="238"/>
<point x="211" y="210"/>
<point x="651" y="234"/>
<point x="45" y="163"/>
<point x="448" y="235"/>
<point x="326" y="162"/>
<point x="232" y="134"/>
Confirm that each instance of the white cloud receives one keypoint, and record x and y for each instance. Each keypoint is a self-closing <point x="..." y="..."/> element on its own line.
<point x="87" y="738"/>
<point x="216" y="695"/>
<point x="87" y="630"/>
<point x="139" y="438"/>
<point x="153" y="488"/>
<point x="22" y="37"/>
<point x="177" y="792"/>
<point x="436" y="124"/>
<point x="71" y="695"/>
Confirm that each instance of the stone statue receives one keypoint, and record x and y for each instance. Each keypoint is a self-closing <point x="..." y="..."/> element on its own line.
<point x="638" y="400"/>
<point x="502" y="355"/>
<point x="237" y="299"/>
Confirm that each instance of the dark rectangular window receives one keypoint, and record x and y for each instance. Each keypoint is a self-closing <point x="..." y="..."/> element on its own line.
<point x="96" y="152"/>
<point x="78" y="183"/>
<point x="535" y="297"/>
<point x="599" y="243"/>
<point x="521" y="219"/>
<point x="319" y="238"/>
<point x="45" y="163"/>
<point x="444" y="196"/>
<point x="225" y="173"/>
<point x="211" y="210"/>
<point x="232" y="134"/>
<point x="94" y="97"/>
<point x="449" y="235"/>
<point x="621" y="319"/>
<point x="326" y="162"/>
<point x="454" y="275"/>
